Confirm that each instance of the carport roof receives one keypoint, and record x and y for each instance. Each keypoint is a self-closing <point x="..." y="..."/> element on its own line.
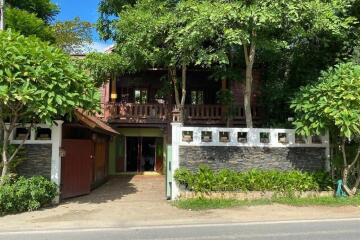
<point x="95" y="123"/>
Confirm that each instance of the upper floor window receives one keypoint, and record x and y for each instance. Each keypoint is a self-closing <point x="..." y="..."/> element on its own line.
<point x="141" y="96"/>
<point x="197" y="97"/>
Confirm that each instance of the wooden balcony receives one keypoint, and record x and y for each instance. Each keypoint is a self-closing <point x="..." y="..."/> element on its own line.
<point x="158" y="114"/>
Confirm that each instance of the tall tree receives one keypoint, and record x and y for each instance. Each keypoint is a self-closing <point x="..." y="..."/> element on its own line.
<point x="73" y="36"/>
<point x="38" y="84"/>
<point x="44" y="9"/>
<point x="109" y="12"/>
<point x="28" y="24"/>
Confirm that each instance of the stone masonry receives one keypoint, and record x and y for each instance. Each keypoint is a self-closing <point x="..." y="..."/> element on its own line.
<point x="37" y="160"/>
<point x="246" y="158"/>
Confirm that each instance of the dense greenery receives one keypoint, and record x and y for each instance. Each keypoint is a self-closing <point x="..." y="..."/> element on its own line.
<point x="207" y="180"/>
<point x="43" y="9"/>
<point x="102" y="66"/>
<point x="334" y="104"/>
<point x="26" y="194"/>
<point x="38" y="84"/>
<point x="28" y="24"/>
<point x="34" y="17"/>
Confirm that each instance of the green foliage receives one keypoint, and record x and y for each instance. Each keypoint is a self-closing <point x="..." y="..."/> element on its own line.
<point x="332" y="103"/>
<point x="109" y="11"/>
<point x="28" y="24"/>
<point x="26" y="194"/>
<point x="102" y="65"/>
<point x="207" y="180"/>
<point x="73" y="36"/>
<point x="44" y="9"/>
<point x="40" y="82"/>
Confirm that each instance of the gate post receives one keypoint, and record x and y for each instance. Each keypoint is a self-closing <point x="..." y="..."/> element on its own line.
<point x="56" y="139"/>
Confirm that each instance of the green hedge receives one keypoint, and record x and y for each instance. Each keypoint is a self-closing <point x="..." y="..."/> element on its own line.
<point x="207" y="180"/>
<point x="26" y="194"/>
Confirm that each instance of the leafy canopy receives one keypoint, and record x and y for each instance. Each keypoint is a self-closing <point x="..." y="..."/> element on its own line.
<point x="39" y="83"/>
<point x="28" y="24"/>
<point x="73" y="35"/>
<point x="332" y="103"/>
<point x="102" y="65"/>
<point x="44" y="9"/>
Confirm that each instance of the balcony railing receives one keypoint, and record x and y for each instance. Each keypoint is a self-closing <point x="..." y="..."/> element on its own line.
<point x="136" y="113"/>
<point x="162" y="113"/>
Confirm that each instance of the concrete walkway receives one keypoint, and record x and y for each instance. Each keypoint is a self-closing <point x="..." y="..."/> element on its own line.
<point x="128" y="201"/>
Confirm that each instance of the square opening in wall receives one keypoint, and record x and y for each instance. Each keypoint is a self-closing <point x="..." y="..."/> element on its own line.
<point x="43" y="134"/>
<point x="20" y="134"/>
<point x="283" y="138"/>
<point x="300" y="139"/>
<point x="224" y="137"/>
<point x="264" y="137"/>
<point x="206" y="136"/>
<point x="242" y="137"/>
<point x="316" y="139"/>
<point x="187" y="136"/>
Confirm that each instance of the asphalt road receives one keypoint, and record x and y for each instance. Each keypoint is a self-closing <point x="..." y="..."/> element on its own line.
<point x="342" y="229"/>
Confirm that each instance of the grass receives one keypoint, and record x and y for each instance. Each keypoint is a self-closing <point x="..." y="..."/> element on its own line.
<point x="203" y="204"/>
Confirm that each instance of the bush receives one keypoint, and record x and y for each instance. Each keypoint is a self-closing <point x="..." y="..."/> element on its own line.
<point x="26" y="194"/>
<point x="207" y="180"/>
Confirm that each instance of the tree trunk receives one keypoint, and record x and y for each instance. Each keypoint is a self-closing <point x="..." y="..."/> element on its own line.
<point x="183" y="92"/>
<point x="4" y="155"/>
<point x="249" y="54"/>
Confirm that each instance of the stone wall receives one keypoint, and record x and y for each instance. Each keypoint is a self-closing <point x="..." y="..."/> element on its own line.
<point x="246" y="158"/>
<point x="37" y="160"/>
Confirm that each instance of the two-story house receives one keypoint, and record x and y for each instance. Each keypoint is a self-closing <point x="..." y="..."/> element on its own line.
<point x="139" y="107"/>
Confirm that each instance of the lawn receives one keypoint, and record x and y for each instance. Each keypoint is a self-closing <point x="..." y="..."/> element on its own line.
<point x="203" y="204"/>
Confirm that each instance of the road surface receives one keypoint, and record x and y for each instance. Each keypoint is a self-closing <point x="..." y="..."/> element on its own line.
<point x="342" y="229"/>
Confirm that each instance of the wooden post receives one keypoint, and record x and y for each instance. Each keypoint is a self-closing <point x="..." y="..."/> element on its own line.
<point x="113" y="89"/>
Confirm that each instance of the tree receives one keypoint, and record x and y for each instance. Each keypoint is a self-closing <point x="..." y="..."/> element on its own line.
<point x="333" y="104"/>
<point x="155" y="33"/>
<point x="109" y="12"/>
<point x="28" y="24"/>
<point x="44" y="9"/>
<point x="253" y="25"/>
<point x="101" y="66"/>
<point x="73" y="36"/>
<point x="38" y="84"/>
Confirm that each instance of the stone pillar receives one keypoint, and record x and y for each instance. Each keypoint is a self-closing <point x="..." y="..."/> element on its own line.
<point x="56" y="139"/>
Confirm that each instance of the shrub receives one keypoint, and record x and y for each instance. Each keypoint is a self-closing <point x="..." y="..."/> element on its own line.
<point x="207" y="180"/>
<point x="26" y="194"/>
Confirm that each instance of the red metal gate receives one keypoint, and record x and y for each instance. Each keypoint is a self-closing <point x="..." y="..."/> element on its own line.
<point x="76" y="167"/>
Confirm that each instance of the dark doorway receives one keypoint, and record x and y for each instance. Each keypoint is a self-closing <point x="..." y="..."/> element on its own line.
<point x="141" y="154"/>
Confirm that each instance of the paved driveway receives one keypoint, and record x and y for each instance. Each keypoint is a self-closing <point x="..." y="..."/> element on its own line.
<point x="128" y="201"/>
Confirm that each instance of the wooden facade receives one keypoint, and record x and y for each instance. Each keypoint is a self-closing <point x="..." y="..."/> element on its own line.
<point x="130" y="100"/>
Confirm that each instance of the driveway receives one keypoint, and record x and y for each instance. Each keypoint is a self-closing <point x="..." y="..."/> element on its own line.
<point x="128" y="201"/>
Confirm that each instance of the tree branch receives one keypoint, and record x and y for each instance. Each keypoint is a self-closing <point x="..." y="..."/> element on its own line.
<point x="21" y="144"/>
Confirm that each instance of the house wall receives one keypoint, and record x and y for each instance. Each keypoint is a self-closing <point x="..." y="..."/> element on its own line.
<point x="281" y="150"/>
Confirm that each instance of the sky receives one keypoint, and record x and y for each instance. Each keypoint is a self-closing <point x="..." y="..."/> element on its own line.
<point x="87" y="11"/>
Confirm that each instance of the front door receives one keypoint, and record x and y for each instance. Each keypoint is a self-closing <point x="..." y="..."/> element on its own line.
<point x="141" y="154"/>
